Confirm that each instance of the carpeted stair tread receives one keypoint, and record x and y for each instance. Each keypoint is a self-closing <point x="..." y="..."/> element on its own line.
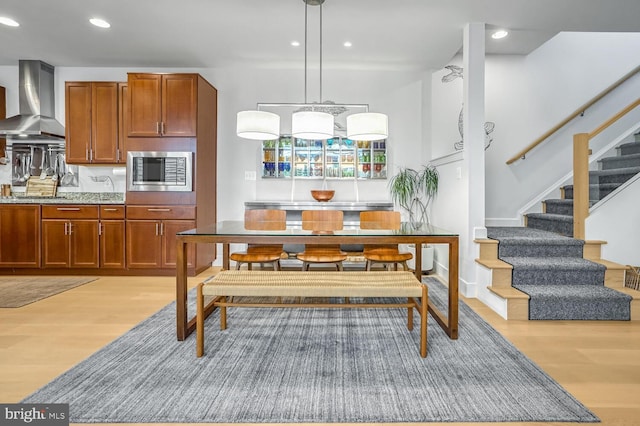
<point x="629" y="148"/>
<point x="530" y="242"/>
<point x="576" y="302"/>
<point x="557" y="223"/>
<point x="620" y="162"/>
<point x="596" y="192"/>
<point x="551" y="216"/>
<point x="612" y="175"/>
<point x="561" y="206"/>
<point x="510" y="233"/>
<point x="556" y="271"/>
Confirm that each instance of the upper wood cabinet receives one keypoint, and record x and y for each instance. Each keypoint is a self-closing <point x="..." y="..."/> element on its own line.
<point x="92" y="123"/>
<point x="3" y="114"/>
<point x="123" y="120"/>
<point x="162" y="105"/>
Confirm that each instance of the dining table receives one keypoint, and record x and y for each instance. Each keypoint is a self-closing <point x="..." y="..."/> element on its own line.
<point x="234" y="232"/>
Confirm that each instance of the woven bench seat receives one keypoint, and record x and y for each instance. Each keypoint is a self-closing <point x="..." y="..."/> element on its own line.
<point x="331" y="284"/>
<point x="313" y="284"/>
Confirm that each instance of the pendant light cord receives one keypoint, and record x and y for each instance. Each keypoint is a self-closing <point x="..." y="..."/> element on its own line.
<point x="306" y="30"/>
<point x="321" y="53"/>
<point x="306" y="6"/>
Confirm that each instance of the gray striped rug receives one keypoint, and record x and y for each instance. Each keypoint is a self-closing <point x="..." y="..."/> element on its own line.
<point x="311" y="365"/>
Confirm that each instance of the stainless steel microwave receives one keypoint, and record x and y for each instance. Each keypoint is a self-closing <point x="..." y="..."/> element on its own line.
<point x="159" y="171"/>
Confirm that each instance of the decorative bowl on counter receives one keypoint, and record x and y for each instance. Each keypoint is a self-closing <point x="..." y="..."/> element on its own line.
<point x="322" y="194"/>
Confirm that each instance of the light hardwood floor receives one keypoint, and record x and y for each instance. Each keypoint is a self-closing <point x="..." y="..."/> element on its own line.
<point x="597" y="362"/>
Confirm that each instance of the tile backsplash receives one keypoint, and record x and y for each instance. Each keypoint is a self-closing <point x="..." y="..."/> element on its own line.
<point x="90" y="179"/>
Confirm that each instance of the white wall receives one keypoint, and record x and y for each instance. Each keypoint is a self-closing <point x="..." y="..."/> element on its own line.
<point x="397" y="94"/>
<point x="528" y="96"/>
<point x="616" y="222"/>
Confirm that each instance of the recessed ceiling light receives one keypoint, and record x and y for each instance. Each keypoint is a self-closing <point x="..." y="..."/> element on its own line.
<point x="100" y="23"/>
<point x="8" y="22"/>
<point x="347" y="44"/>
<point x="499" y="34"/>
<point x="295" y="43"/>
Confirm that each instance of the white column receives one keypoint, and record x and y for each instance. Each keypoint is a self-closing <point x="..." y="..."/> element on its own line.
<point x="473" y="129"/>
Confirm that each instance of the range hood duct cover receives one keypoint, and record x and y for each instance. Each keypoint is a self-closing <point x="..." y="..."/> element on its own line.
<point x="37" y="105"/>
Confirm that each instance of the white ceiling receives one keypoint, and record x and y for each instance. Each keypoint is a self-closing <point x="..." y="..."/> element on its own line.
<point x="407" y="34"/>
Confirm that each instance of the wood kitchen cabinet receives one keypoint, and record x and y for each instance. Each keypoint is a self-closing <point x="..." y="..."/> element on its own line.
<point x="150" y="237"/>
<point x="91" y="123"/>
<point x="70" y="236"/>
<point x="162" y="105"/>
<point x="123" y="121"/>
<point x="112" y="237"/>
<point x="20" y="236"/>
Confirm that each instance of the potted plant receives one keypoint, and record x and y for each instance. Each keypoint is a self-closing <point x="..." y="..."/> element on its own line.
<point x="414" y="190"/>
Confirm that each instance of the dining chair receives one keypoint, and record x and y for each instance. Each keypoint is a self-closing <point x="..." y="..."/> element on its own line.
<point x="388" y="254"/>
<point x="262" y="220"/>
<point x="322" y="222"/>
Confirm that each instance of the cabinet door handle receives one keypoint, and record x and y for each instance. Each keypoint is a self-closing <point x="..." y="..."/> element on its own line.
<point x="118" y="155"/>
<point x="70" y="228"/>
<point x="157" y="127"/>
<point x="162" y="128"/>
<point x="158" y="210"/>
<point x="100" y="229"/>
<point x="66" y="232"/>
<point x="91" y="155"/>
<point x="86" y="153"/>
<point x="161" y="228"/>
<point x="68" y="209"/>
<point x="157" y="228"/>
<point x="110" y="210"/>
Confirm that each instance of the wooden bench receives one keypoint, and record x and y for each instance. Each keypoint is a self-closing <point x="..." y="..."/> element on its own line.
<point x="300" y="284"/>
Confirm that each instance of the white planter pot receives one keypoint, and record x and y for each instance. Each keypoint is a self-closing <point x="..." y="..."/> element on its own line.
<point x="427" y="256"/>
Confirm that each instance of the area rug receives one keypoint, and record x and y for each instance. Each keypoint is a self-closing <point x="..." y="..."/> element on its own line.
<point x="19" y="291"/>
<point x="311" y="365"/>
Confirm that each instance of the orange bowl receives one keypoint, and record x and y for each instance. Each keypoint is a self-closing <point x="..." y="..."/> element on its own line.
<point x="322" y="194"/>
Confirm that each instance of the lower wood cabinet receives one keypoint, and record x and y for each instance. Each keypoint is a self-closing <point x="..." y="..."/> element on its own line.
<point x="89" y="236"/>
<point x="70" y="237"/>
<point x="83" y="236"/>
<point x="151" y="235"/>
<point x="112" y="237"/>
<point x="20" y="236"/>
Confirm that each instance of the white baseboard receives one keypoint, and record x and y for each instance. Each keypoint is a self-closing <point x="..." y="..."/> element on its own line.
<point x="494" y="221"/>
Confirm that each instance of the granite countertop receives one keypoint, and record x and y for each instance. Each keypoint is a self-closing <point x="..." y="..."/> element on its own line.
<point x="67" y="198"/>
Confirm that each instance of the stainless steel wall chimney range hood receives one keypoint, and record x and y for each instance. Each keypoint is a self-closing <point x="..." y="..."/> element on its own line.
<point x="36" y="122"/>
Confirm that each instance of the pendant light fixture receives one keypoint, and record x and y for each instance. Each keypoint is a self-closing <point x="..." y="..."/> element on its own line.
<point x="367" y="126"/>
<point x="258" y="125"/>
<point x="312" y="121"/>
<point x="315" y="125"/>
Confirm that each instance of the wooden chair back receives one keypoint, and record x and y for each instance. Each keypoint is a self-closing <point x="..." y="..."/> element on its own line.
<point x="380" y="219"/>
<point x="265" y="219"/>
<point x="322" y="220"/>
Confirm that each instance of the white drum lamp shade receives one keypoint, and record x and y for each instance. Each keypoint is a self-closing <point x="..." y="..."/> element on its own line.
<point x="258" y="125"/>
<point x="367" y="126"/>
<point x="313" y="125"/>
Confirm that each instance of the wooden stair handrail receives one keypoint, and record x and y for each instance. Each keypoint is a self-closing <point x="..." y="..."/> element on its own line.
<point x="573" y="115"/>
<point x="581" y="153"/>
<point x="615" y="118"/>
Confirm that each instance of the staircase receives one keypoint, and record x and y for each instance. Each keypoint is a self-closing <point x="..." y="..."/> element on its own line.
<point x="542" y="273"/>
<point x="611" y="174"/>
